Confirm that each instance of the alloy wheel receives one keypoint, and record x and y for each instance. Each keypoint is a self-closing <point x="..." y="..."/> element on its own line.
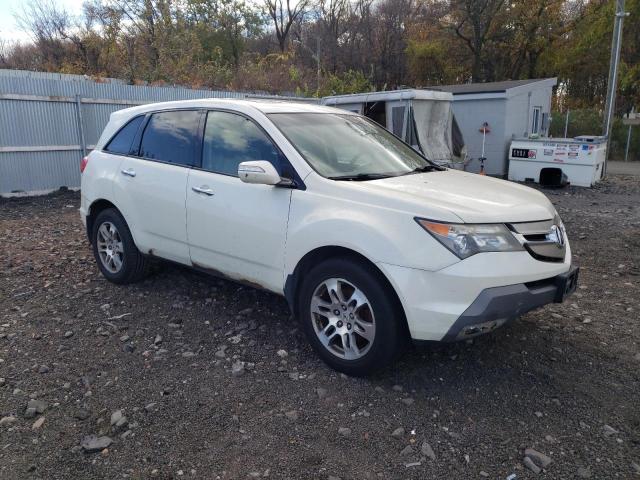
<point x="110" y="248"/>
<point x="343" y="318"/>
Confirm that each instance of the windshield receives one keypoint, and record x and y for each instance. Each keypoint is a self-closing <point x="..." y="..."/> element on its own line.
<point x="348" y="147"/>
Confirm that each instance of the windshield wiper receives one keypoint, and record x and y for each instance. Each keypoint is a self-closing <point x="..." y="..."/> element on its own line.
<point x="423" y="169"/>
<point x="361" y="177"/>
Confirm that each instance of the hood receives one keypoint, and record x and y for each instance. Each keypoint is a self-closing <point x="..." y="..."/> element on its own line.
<point x="471" y="197"/>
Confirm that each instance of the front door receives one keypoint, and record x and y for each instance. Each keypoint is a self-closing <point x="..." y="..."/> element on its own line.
<point x="234" y="228"/>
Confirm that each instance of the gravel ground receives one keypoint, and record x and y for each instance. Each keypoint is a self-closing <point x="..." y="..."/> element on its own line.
<point x="185" y="376"/>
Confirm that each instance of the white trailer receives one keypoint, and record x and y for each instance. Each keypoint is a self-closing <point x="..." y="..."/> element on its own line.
<point x="581" y="159"/>
<point x="422" y="118"/>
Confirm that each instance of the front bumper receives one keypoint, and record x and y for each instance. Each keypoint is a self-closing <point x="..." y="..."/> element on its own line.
<point x="438" y="304"/>
<point x="498" y="305"/>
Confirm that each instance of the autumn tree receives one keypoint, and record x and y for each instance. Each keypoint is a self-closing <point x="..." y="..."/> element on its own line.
<point x="366" y="44"/>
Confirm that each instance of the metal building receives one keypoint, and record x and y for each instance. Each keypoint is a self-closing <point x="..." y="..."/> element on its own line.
<point x="49" y="121"/>
<point x="503" y="110"/>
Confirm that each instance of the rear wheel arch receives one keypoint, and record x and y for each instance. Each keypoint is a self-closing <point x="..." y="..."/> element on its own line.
<point x="114" y="249"/>
<point x="99" y="205"/>
<point x="94" y="210"/>
<point x="320" y="254"/>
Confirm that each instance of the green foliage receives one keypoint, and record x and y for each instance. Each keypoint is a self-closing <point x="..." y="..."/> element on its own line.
<point x="294" y="73"/>
<point x="589" y="122"/>
<point x="223" y="24"/>
<point x="429" y="63"/>
<point x="619" y="140"/>
<point x="351" y="81"/>
<point x="630" y="87"/>
<point x="581" y="57"/>
<point x="581" y="122"/>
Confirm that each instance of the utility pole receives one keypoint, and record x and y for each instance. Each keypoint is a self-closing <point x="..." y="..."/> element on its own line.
<point x="318" y="61"/>
<point x="612" y="83"/>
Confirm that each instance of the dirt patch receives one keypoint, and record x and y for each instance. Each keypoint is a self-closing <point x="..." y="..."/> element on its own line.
<point x="193" y="377"/>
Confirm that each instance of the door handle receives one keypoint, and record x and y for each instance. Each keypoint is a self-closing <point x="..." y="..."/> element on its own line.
<point x="129" y="172"/>
<point x="204" y="190"/>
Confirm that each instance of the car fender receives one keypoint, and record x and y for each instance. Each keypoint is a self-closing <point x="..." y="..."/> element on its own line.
<point x="379" y="234"/>
<point x="97" y="185"/>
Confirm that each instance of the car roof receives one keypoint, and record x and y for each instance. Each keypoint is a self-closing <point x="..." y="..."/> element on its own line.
<point x="241" y="105"/>
<point x="249" y="107"/>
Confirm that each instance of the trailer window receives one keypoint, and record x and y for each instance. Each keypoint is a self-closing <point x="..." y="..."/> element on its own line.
<point x="397" y="120"/>
<point x="535" y="120"/>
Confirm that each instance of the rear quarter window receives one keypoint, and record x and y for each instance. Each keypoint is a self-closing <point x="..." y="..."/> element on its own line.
<point x="120" y="144"/>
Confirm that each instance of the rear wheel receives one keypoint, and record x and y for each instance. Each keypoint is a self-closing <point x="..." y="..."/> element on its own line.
<point x="116" y="254"/>
<point x="350" y="316"/>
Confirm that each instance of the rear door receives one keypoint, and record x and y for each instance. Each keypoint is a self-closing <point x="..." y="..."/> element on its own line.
<point x="152" y="181"/>
<point x="235" y="228"/>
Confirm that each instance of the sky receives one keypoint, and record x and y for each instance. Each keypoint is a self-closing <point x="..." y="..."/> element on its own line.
<point x="9" y="29"/>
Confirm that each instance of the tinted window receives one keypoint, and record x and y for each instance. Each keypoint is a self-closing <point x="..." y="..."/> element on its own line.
<point x="121" y="143"/>
<point x="171" y="137"/>
<point x="230" y="139"/>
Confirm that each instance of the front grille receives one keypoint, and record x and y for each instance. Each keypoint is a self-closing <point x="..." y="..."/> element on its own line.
<point x="544" y="240"/>
<point x="535" y="237"/>
<point x="546" y="252"/>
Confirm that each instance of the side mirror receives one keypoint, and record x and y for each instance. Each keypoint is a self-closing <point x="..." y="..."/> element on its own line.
<point x="258" y="171"/>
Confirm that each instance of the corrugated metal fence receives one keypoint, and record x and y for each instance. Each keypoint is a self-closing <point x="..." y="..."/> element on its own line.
<point x="48" y="121"/>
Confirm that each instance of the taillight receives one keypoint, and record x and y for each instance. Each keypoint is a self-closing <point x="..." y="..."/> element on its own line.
<point x="83" y="164"/>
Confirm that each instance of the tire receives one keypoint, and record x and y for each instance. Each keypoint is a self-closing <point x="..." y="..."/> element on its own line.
<point x="115" y="252"/>
<point x="374" y="329"/>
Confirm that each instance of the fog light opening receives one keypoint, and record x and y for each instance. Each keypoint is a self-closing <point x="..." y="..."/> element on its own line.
<point x="481" y="328"/>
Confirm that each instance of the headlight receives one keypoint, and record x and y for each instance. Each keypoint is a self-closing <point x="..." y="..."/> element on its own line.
<point x="465" y="240"/>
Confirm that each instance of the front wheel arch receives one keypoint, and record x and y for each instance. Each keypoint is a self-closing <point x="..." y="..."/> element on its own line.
<point x="334" y="323"/>
<point x="318" y="255"/>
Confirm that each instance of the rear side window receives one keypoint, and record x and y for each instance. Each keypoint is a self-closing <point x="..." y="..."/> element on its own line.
<point x="171" y="137"/>
<point x="230" y="139"/>
<point x="121" y="143"/>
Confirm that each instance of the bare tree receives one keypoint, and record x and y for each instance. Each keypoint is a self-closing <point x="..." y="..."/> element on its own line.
<point x="283" y="16"/>
<point x="473" y="21"/>
<point x="46" y="24"/>
<point x="392" y="17"/>
<point x="5" y="52"/>
<point x="332" y="19"/>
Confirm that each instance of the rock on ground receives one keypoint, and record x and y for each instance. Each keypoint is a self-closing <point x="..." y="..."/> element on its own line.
<point x="540" y="459"/>
<point x="530" y="464"/>
<point x="93" y="443"/>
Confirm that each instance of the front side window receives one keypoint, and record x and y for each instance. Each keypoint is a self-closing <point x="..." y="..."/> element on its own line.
<point x="171" y="137"/>
<point x="120" y="144"/>
<point x="230" y="139"/>
<point x="343" y="146"/>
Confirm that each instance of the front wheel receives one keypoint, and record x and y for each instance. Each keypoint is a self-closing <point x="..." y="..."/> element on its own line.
<point x="350" y="316"/>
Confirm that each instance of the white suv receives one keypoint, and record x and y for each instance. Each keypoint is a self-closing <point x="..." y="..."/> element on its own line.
<point x="370" y="243"/>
